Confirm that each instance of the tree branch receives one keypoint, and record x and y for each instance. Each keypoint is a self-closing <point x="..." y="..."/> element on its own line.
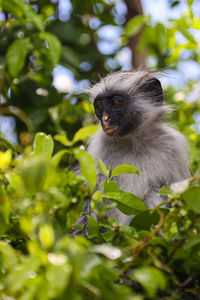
<point x="134" y="9"/>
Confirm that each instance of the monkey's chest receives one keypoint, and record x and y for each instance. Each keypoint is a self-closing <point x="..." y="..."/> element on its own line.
<point x="132" y="183"/>
<point x="146" y="161"/>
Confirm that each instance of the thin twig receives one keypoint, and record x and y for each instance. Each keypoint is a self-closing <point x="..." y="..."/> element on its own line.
<point x="174" y="250"/>
<point x="145" y="241"/>
<point x="183" y="285"/>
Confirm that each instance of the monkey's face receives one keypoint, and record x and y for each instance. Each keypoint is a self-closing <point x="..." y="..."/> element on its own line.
<point x="115" y="110"/>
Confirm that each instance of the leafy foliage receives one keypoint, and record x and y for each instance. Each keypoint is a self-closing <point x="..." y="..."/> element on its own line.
<point x="157" y="256"/>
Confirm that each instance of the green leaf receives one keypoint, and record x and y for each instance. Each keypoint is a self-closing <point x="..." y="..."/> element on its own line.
<point x="102" y="168"/>
<point x="84" y="133"/>
<point x="58" y="156"/>
<point x="21" y="10"/>
<point x="16" y="55"/>
<point x="165" y="190"/>
<point x="21" y="273"/>
<point x="63" y="139"/>
<point x="146" y="219"/>
<point x="53" y="46"/>
<point x="191" y="242"/>
<point x="128" y="203"/>
<point x="70" y="56"/>
<point x="88" y="167"/>
<point x="97" y="197"/>
<point x="33" y="172"/>
<point x="175" y="3"/>
<point x="192" y="198"/>
<point x="30" y="14"/>
<point x="93" y="227"/>
<point x="190" y="2"/>
<point x="134" y="25"/>
<point x="5" y="159"/>
<point x="43" y="145"/>
<point x="124" y="169"/>
<point x="9" y="256"/>
<point x="196" y="23"/>
<point x="58" y="274"/>
<point x="151" y="279"/>
<point x="111" y="186"/>
<point x="46" y="235"/>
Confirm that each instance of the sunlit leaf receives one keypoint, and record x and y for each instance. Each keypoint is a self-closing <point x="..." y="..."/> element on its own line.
<point x="22" y="272"/>
<point x="43" y="145"/>
<point x="8" y="254"/>
<point x="5" y="159"/>
<point x="124" y="169"/>
<point x="196" y="23"/>
<point x="102" y="168"/>
<point x="84" y="133"/>
<point x="46" y="235"/>
<point x="63" y="140"/>
<point x="165" y="190"/>
<point x="33" y="172"/>
<point x="88" y="168"/>
<point x="134" y="25"/>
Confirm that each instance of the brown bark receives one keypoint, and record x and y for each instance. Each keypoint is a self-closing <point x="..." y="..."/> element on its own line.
<point x="134" y="9"/>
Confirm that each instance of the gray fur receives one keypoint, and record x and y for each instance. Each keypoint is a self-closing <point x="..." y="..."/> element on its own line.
<point x="158" y="151"/>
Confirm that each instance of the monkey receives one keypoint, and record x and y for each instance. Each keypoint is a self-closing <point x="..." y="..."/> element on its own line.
<point x="130" y="107"/>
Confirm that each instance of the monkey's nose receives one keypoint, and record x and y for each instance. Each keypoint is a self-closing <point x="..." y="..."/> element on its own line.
<point x="105" y="119"/>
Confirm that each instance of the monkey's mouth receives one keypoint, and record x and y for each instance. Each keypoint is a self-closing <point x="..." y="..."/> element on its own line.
<point x="110" y="130"/>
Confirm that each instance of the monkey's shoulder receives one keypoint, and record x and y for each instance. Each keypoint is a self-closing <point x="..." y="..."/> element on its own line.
<point x="162" y="147"/>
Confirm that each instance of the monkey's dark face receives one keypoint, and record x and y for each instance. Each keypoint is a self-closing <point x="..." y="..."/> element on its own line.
<point x="115" y="111"/>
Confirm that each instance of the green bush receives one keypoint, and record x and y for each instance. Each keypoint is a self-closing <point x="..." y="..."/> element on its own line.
<point x="156" y="257"/>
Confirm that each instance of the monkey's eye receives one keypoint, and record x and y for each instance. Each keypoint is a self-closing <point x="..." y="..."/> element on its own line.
<point x="116" y="103"/>
<point x="99" y="108"/>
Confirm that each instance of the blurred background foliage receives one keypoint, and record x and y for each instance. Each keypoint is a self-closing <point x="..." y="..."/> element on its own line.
<point x="50" y="51"/>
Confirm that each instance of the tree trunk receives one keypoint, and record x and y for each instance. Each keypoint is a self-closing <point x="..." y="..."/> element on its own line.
<point x="134" y="9"/>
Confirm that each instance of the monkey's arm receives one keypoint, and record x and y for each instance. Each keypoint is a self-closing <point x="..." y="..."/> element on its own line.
<point x="83" y="220"/>
<point x="87" y="211"/>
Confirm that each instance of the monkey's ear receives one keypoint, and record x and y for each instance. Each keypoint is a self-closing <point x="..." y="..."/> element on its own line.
<point x="153" y="88"/>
